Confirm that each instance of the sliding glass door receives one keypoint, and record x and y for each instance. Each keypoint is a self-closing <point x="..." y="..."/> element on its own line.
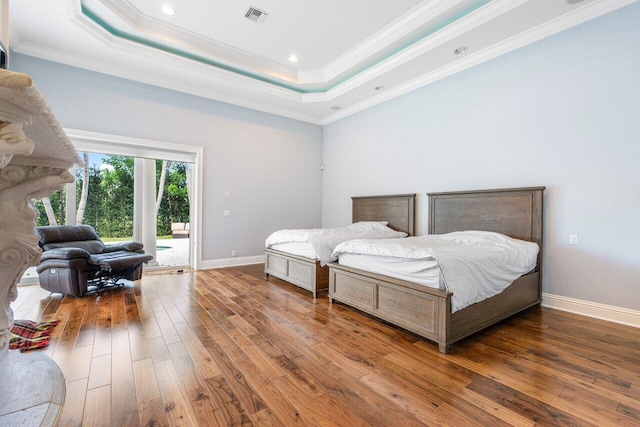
<point x="126" y="198"/>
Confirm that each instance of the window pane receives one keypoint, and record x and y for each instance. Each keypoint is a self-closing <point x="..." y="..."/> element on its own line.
<point x="109" y="196"/>
<point x="51" y="210"/>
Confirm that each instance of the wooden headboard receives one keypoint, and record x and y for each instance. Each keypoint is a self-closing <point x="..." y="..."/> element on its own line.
<point x="398" y="210"/>
<point x="515" y="212"/>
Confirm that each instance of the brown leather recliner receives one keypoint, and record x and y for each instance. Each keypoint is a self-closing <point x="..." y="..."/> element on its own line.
<point x="75" y="261"/>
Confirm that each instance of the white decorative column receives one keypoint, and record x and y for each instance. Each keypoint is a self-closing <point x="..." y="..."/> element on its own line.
<point x="70" y="200"/>
<point x="138" y="219"/>
<point x="35" y="155"/>
<point x="149" y="218"/>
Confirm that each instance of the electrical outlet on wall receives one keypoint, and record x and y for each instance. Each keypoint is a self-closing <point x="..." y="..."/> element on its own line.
<point x="234" y="253"/>
<point x="573" y="239"/>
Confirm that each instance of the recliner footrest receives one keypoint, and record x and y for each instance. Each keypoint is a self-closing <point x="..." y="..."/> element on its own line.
<point x="114" y="261"/>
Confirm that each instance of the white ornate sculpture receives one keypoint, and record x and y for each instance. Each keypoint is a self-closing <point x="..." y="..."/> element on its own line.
<point x="18" y="242"/>
<point x="35" y="154"/>
<point x="13" y="141"/>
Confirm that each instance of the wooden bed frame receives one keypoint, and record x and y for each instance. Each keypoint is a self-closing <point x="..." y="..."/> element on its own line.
<point x="426" y="311"/>
<point x="398" y="210"/>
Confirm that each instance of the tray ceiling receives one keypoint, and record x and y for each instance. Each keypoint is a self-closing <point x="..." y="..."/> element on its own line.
<point x="350" y="55"/>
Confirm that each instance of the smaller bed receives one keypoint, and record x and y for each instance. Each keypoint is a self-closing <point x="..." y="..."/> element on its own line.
<point x="298" y="264"/>
<point x="428" y="311"/>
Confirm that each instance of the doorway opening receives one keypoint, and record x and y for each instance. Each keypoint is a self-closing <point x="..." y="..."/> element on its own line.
<point x="143" y="161"/>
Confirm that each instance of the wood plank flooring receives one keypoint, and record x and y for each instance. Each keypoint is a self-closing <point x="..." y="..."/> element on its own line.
<point x="228" y="348"/>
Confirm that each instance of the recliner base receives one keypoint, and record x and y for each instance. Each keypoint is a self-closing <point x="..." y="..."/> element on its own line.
<point x="70" y="281"/>
<point x="64" y="280"/>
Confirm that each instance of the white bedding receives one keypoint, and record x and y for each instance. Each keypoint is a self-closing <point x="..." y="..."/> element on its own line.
<point x="304" y="249"/>
<point x="421" y="271"/>
<point x="325" y="240"/>
<point x="475" y="265"/>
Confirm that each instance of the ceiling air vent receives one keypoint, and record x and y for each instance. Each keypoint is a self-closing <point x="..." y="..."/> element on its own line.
<point x="256" y="15"/>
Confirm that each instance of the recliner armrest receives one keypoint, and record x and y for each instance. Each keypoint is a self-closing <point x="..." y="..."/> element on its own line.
<point x="126" y="246"/>
<point x="65" y="253"/>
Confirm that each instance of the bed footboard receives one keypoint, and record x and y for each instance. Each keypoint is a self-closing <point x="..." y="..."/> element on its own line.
<point x="300" y="271"/>
<point x="419" y="309"/>
<point x="427" y="311"/>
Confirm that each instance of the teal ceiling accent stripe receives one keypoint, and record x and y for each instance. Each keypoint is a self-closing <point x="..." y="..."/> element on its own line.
<point x="150" y="43"/>
<point x="477" y="5"/>
<point x="175" y="51"/>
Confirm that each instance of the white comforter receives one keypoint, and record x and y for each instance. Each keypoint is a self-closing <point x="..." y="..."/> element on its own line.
<point x="475" y="264"/>
<point x="324" y="240"/>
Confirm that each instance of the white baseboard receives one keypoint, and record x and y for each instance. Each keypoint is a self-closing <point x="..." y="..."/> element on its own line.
<point x="611" y="313"/>
<point x="231" y="262"/>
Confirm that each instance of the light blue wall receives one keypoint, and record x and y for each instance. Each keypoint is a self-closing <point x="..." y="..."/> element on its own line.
<point x="270" y="164"/>
<point x="563" y="113"/>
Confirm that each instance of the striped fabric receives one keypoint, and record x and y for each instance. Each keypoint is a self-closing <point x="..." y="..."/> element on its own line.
<point x="27" y="335"/>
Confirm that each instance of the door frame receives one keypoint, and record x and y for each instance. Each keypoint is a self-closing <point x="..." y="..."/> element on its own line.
<point x="145" y="148"/>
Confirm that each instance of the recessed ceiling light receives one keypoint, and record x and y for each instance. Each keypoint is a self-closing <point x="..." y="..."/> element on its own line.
<point x="379" y="87"/>
<point x="168" y="10"/>
<point x="336" y="107"/>
<point x="293" y="58"/>
<point x="461" y="50"/>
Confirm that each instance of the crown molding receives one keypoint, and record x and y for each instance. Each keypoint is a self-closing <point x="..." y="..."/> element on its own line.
<point x="310" y="76"/>
<point x="199" y="88"/>
<point x="206" y="71"/>
<point x="569" y="20"/>
<point x="437" y="39"/>
<point x="450" y="32"/>
<point x="112" y="37"/>
<point x="388" y="35"/>
<point x="189" y="41"/>
<point x="153" y="28"/>
<point x="185" y="44"/>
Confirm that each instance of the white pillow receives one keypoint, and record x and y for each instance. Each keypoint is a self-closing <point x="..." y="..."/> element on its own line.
<point x="369" y="226"/>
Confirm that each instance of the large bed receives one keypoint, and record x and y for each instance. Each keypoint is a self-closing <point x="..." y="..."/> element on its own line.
<point x="306" y="271"/>
<point x="427" y="311"/>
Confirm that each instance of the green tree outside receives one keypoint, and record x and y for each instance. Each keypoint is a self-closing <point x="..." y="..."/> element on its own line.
<point x="110" y="200"/>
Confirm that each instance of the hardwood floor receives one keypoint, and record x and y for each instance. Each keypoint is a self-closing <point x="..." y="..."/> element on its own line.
<point x="227" y="347"/>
